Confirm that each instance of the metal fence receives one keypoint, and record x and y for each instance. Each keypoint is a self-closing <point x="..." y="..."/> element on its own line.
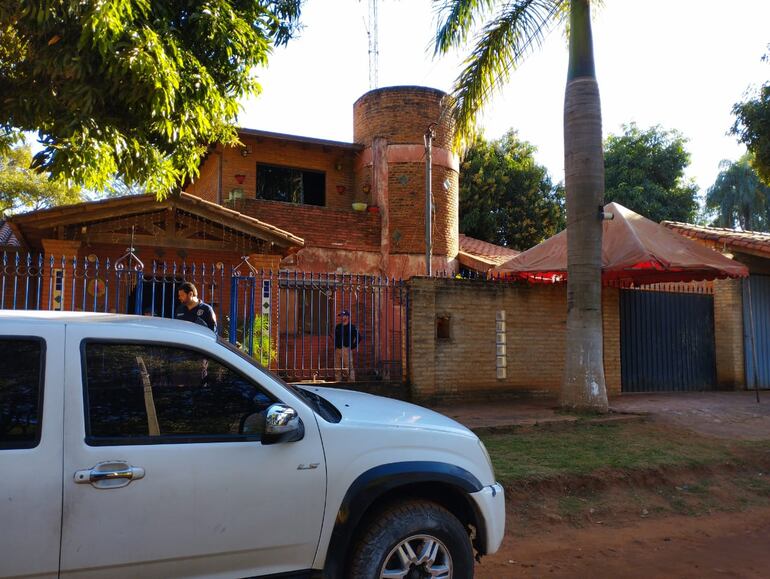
<point x="285" y="320"/>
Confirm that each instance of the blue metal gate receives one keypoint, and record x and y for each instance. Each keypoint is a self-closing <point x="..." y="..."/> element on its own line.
<point x="757" y="318"/>
<point x="666" y="341"/>
<point x="285" y="320"/>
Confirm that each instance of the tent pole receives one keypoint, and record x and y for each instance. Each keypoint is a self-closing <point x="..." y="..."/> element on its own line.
<point x="751" y="336"/>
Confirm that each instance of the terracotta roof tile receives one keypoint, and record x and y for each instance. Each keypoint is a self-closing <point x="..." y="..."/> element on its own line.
<point x="756" y="241"/>
<point x="481" y="248"/>
<point x="481" y="255"/>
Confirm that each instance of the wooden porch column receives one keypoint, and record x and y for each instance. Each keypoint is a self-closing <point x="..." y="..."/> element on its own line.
<point x="58" y="248"/>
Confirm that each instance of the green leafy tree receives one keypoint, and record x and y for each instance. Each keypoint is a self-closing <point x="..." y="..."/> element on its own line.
<point x="644" y="171"/>
<point x="24" y="189"/>
<point x="263" y="347"/>
<point x="505" y="197"/>
<point x="512" y="30"/>
<point x="739" y="198"/>
<point x="133" y="89"/>
<point x="752" y="127"/>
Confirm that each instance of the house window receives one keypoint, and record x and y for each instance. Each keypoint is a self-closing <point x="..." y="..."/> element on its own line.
<point x="291" y="185"/>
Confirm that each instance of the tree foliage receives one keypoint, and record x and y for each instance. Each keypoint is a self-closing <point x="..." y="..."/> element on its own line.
<point x="133" y="89"/>
<point x="22" y="188"/>
<point x="752" y="127"/>
<point x="644" y="171"/>
<point x="505" y="197"/>
<point x="511" y="31"/>
<point x="739" y="197"/>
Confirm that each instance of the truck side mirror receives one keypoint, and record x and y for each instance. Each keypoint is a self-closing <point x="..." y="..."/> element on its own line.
<point x="282" y="424"/>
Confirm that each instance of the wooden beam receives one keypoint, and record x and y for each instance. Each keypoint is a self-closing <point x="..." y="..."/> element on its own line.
<point x="153" y="241"/>
<point x="84" y="212"/>
<point x="749" y="251"/>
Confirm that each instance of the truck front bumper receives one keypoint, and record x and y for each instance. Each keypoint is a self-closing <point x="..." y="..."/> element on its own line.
<point x="490" y="502"/>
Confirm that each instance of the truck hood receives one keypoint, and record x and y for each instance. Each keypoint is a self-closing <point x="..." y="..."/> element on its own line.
<point x="369" y="410"/>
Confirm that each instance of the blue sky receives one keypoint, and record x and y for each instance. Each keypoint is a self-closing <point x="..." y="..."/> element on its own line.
<point x="681" y="64"/>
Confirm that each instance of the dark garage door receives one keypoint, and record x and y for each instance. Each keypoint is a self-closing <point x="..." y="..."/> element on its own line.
<point x="760" y="308"/>
<point x="666" y="341"/>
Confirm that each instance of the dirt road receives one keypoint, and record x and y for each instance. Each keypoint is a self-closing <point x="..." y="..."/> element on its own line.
<point x="718" y="545"/>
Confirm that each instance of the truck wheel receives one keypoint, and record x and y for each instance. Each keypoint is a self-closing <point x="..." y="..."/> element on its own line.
<point x="413" y="540"/>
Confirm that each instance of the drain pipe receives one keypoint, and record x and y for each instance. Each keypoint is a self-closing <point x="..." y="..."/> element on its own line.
<point x="428" y="137"/>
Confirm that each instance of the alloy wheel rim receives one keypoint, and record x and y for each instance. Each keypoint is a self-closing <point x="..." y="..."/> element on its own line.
<point x="418" y="557"/>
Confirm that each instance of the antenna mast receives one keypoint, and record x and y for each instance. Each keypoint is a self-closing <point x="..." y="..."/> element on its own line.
<point x="374" y="47"/>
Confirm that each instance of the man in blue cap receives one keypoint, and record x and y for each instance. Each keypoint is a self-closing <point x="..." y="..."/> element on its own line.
<point x="345" y="344"/>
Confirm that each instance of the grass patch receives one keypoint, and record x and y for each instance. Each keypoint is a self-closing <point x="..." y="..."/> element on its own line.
<point x="586" y="448"/>
<point x="757" y="484"/>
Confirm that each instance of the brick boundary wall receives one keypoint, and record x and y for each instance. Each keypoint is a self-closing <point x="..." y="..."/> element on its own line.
<point x="728" y="333"/>
<point x="464" y="365"/>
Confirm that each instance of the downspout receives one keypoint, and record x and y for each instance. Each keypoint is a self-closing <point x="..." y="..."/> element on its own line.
<point x="429" y="134"/>
<point x="219" y="178"/>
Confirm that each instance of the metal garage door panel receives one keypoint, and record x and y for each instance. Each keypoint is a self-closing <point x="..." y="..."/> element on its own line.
<point x="760" y="312"/>
<point x="666" y="341"/>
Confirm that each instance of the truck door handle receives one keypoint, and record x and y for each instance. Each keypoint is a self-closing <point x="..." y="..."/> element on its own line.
<point x="109" y="475"/>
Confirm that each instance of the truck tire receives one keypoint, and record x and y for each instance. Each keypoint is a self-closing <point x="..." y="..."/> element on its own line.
<point x="413" y="539"/>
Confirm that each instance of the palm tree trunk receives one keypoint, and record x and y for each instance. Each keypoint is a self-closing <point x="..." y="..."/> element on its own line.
<point x="583" y="385"/>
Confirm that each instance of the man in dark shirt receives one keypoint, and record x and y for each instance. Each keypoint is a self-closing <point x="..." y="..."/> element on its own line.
<point x="191" y="309"/>
<point x="345" y="344"/>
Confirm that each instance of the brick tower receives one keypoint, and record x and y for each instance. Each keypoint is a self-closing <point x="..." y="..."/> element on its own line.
<point x="391" y="124"/>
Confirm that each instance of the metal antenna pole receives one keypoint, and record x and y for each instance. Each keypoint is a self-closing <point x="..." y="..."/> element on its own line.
<point x="428" y="199"/>
<point x="374" y="46"/>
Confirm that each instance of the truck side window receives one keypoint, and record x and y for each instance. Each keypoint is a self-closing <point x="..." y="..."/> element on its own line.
<point x="148" y="393"/>
<point x="21" y="392"/>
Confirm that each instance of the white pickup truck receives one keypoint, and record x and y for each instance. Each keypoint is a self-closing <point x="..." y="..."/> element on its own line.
<point x="141" y="447"/>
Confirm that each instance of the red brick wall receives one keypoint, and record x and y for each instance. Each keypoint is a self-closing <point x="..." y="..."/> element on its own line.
<point x="206" y="186"/>
<point x="402" y="114"/>
<point x="318" y="226"/>
<point x="407" y="209"/>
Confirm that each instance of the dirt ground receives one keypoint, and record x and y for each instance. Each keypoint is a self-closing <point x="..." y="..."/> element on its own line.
<point x="718" y="545"/>
<point x="735" y="415"/>
<point x="705" y="522"/>
<point x="688" y="524"/>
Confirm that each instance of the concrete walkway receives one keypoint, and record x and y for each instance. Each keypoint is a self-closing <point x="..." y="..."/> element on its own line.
<point x="722" y="414"/>
<point x="735" y="415"/>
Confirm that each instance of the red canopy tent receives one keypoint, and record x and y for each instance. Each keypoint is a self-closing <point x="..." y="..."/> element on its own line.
<point x="635" y="251"/>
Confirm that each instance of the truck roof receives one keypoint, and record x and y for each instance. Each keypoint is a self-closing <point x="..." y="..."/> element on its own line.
<point x="145" y="322"/>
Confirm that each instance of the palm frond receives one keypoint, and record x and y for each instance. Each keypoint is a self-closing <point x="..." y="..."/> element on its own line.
<point x="502" y="44"/>
<point x="456" y="21"/>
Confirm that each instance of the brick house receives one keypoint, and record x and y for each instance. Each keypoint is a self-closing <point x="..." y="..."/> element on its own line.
<point x="294" y="204"/>
<point x="288" y="201"/>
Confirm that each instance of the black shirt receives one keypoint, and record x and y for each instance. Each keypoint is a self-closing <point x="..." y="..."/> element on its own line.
<point x="202" y="314"/>
<point x="345" y="336"/>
